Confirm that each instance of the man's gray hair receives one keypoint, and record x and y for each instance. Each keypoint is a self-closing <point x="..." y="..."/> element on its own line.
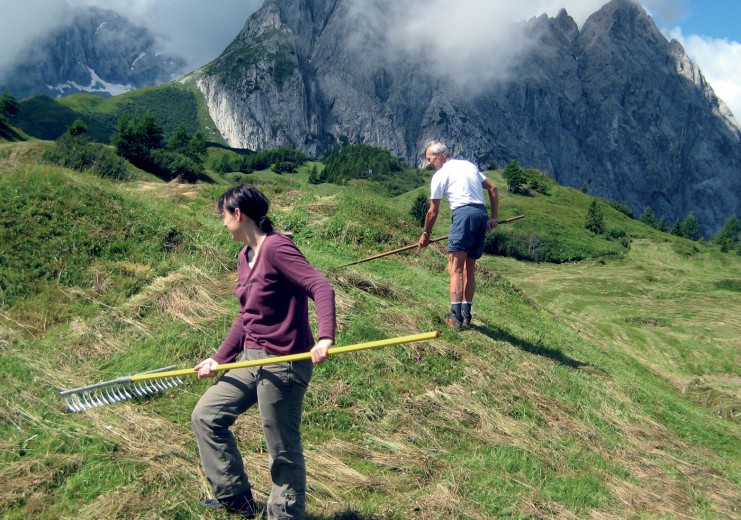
<point x="436" y="147"/>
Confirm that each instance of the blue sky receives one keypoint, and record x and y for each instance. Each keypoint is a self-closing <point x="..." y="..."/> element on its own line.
<point x="714" y="18"/>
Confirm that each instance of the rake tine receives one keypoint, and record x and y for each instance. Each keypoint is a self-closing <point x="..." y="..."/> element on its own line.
<point x="138" y="390"/>
<point x="71" y="405"/>
<point x="79" y="405"/>
<point x="75" y="405"/>
<point x="87" y="400"/>
<point x="98" y="398"/>
<point x="125" y="391"/>
<point x="102" y="397"/>
<point x="151" y="389"/>
<point x="111" y="394"/>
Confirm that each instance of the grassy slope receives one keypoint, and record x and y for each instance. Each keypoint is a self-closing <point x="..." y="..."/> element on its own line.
<point x="607" y="388"/>
<point x="171" y="104"/>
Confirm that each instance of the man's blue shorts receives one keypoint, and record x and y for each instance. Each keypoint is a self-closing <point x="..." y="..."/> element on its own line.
<point x="468" y="230"/>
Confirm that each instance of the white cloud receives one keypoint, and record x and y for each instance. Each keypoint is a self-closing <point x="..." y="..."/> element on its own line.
<point x="720" y="63"/>
<point x="456" y="41"/>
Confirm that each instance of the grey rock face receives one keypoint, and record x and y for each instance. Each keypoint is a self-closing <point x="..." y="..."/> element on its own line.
<point x="614" y="104"/>
<point x="99" y="52"/>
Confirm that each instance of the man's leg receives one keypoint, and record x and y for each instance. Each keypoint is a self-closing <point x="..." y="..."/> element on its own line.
<point x="469" y="282"/>
<point x="456" y="268"/>
<point x="468" y="290"/>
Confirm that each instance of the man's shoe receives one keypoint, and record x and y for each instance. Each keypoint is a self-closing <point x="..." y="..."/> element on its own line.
<point x="454" y="322"/>
<point x="242" y="505"/>
<point x="466" y="321"/>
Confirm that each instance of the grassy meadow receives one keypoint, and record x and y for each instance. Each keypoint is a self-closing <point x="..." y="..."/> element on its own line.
<point x="603" y="387"/>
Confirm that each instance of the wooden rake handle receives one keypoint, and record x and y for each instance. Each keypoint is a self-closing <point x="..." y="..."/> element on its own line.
<point x="291" y="357"/>
<point x="406" y="248"/>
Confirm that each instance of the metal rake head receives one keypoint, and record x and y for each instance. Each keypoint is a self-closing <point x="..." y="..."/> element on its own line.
<point x="116" y="390"/>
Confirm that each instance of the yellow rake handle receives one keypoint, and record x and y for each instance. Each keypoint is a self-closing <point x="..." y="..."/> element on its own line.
<point x="292" y="357"/>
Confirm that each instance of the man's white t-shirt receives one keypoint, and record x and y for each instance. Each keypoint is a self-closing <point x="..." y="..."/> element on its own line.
<point x="460" y="182"/>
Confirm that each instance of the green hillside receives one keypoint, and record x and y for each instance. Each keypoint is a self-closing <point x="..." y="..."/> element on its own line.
<point x="604" y="384"/>
<point x="171" y="104"/>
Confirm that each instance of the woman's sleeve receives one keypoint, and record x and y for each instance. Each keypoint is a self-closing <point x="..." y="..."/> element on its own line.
<point x="233" y="344"/>
<point x="292" y="264"/>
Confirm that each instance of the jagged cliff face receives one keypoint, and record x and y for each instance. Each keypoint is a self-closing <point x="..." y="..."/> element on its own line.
<point x="614" y="104"/>
<point x="98" y="52"/>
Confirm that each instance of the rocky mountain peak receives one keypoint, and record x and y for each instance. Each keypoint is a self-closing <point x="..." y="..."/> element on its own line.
<point x="98" y="51"/>
<point x="613" y="104"/>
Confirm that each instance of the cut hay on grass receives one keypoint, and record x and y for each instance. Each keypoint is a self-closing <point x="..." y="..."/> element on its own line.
<point x="369" y="284"/>
<point x="185" y="295"/>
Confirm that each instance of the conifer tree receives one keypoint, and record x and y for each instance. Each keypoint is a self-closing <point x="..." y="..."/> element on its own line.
<point x="419" y="209"/>
<point x="691" y="227"/>
<point x="729" y="234"/>
<point x="663" y="225"/>
<point x="648" y="217"/>
<point x="595" y="221"/>
<point x="514" y="176"/>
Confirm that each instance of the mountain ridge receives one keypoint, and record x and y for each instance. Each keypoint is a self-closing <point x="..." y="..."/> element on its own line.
<point x="613" y="104"/>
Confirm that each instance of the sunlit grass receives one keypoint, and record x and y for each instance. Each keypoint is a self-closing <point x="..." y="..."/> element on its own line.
<point x="603" y="388"/>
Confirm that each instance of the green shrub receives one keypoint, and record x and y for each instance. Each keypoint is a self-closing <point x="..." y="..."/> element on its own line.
<point x="531" y="246"/>
<point x="622" y="208"/>
<point x="373" y="164"/>
<point x="514" y="176"/>
<point x="419" y="209"/>
<point x="595" y="220"/>
<point x="79" y="153"/>
<point x="171" y="165"/>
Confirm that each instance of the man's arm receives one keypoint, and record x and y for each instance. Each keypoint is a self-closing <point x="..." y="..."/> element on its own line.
<point x="493" y="192"/>
<point x="430" y="219"/>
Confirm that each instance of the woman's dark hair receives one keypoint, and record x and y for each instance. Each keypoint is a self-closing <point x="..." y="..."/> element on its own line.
<point x="251" y="202"/>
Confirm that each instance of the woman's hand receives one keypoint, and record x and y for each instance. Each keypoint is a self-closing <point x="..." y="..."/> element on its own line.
<point x="206" y="368"/>
<point x="319" y="352"/>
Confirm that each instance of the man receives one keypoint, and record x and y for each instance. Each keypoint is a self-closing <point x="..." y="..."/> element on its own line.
<point x="463" y="185"/>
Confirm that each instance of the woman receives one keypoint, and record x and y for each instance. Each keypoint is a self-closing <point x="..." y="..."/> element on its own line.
<point x="274" y="281"/>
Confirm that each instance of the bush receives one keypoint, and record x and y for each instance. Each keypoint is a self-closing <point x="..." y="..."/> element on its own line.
<point x="648" y="217"/>
<point x="136" y="137"/>
<point x="372" y="164"/>
<point x="8" y="107"/>
<point x="315" y="177"/>
<point x="418" y="212"/>
<point x="76" y="151"/>
<point x="171" y="165"/>
<point x="525" y="181"/>
<point x="285" y="167"/>
<point x="622" y="208"/>
<point x="729" y="235"/>
<point x="529" y="245"/>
